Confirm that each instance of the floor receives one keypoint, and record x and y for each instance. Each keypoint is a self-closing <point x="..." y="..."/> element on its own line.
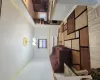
<point x="41" y="70"/>
<point x="36" y="70"/>
<point x="74" y="78"/>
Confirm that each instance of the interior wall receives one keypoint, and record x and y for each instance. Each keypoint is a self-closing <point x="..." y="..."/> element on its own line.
<point x="74" y="35"/>
<point x="94" y="35"/>
<point x="44" y="32"/>
<point x="78" y="2"/>
<point x="64" y="10"/>
<point x="13" y="28"/>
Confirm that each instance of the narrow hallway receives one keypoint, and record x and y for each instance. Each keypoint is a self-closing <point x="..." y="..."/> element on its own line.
<point x="49" y="39"/>
<point x="14" y="54"/>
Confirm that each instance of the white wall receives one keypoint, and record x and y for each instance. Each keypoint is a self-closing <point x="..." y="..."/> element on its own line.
<point x="13" y="28"/>
<point x="44" y="32"/>
<point x="61" y="11"/>
<point x="94" y="35"/>
<point x="53" y="33"/>
<point x="78" y="2"/>
<point x="64" y="7"/>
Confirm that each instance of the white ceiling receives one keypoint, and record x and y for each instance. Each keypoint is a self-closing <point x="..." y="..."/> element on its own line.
<point x="64" y="7"/>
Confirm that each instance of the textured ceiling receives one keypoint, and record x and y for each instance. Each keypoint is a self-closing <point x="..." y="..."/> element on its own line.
<point x="40" y="5"/>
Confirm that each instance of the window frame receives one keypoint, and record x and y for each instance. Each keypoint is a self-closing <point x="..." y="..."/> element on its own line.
<point x="42" y="43"/>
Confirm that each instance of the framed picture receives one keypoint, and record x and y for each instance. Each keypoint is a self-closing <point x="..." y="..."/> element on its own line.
<point x="0" y="6"/>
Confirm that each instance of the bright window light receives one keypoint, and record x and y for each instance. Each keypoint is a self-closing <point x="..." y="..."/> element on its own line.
<point x="34" y="42"/>
<point x="43" y="15"/>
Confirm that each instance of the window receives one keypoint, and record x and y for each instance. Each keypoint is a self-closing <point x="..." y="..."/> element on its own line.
<point x="42" y="15"/>
<point x="42" y="43"/>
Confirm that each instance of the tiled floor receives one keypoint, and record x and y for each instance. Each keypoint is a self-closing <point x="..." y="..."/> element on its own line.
<point x="41" y="70"/>
<point x="36" y="70"/>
